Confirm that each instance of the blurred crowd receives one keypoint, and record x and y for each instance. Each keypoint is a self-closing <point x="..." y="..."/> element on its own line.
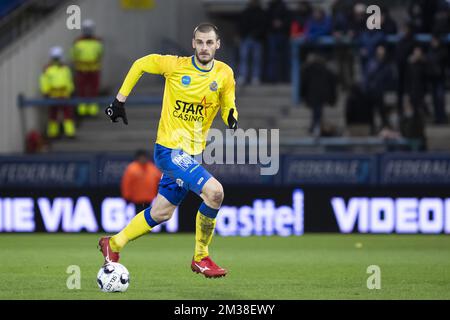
<point x="361" y="63"/>
<point x="366" y="69"/>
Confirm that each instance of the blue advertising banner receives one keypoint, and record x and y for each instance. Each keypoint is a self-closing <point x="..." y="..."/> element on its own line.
<point x="239" y="173"/>
<point x="111" y="168"/>
<point x="329" y="169"/>
<point x="47" y="171"/>
<point x="415" y="168"/>
<point x="106" y="170"/>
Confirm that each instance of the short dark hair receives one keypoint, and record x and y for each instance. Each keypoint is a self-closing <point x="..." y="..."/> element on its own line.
<point x="206" y="27"/>
<point x="140" y="153"/>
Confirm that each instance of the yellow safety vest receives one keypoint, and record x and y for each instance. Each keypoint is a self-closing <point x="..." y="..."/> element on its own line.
<point x="87" y="54"/>
<point x="56" y="81"/>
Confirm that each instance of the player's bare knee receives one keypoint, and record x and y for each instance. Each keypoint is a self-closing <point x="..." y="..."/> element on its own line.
<point x="162" y="210"/>
<point x="214" y="194"/>
<point x="217" y="196"/>
<point x="162" y="215"/>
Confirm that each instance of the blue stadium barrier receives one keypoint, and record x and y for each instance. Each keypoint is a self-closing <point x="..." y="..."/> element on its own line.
<point x="328" y="41"/>
<point x="23" y="101"/>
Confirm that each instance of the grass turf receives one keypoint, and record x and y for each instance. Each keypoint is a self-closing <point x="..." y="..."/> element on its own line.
<point x="316" y="266"/>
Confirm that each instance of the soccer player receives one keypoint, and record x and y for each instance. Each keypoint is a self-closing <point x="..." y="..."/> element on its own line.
<point x="196" y="88"/>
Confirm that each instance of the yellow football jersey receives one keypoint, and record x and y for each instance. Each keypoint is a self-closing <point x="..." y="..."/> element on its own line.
<point x="192" y="98"/>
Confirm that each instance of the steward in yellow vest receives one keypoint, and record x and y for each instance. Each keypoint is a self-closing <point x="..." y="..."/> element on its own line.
<point x="56" y="82"/>
<point x="87" y="52"/>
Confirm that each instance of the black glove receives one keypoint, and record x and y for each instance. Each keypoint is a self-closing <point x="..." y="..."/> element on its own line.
<point x="232" y="122"/>
<point x="116" y="110"/>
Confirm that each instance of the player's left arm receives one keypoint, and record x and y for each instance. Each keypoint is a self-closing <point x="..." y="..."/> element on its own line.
<point x="228" y="108"/>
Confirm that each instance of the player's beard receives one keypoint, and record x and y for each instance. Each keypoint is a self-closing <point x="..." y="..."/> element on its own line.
<point x="204" y="61"/>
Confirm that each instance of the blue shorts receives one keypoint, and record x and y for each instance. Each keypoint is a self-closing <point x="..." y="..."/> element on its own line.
<point x="181" y="173"/>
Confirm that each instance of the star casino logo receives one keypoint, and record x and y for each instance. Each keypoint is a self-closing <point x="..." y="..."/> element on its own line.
<point x="189" y="111"/>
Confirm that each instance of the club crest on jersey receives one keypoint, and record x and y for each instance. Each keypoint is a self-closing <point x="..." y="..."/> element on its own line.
<point x="179" y="182"/>
<point x="185" y="81"/>
<point x="213" y="86"/>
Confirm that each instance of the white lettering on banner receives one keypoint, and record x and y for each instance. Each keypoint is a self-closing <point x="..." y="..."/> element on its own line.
<point x="17" y="215"/>
<point x="431" y="215"/>
<point x="83" y="216"/>
<point x="23" y="209"/>
<point x="245" y="221"/>
<point x="382" y="215"/>
<point x="263" y="218"/>
<point x="447" y="216"/>
<point x="8" y="214"/>
<point x="52" y="215"/>
<point x="226" y="223"/>
<point x="116" y="214"/>
<point x="74" y="218"/>
<point x="346" y="218"/>
<point x="405" y="219"/>
<point x="387" y="215"/>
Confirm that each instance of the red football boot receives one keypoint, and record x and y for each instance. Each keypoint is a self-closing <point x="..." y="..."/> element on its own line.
<point x="208" y="268"/>
<point x="105" y="248"/>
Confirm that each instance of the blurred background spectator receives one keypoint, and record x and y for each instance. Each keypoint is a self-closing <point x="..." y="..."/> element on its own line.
<point x="388" y="24"/>
<point x="56" y="82"/>
<point x="357" y="22"/>
<point x="368" y="42"/>
<point x="416" y="80"/>
<point x="299" y="19"/>
<point x="252" y="32"/>
<point x="375" y="69"/>
<point x="404" y="48"/>
<point x="278" y="19"/>
<point x="358" y="112"/>
<point x="340" y="29"/>
<point x="140" y="180"/>
<point x="87" y="52"/>
<point x="319" y="24"/>
<point x="377" y="80"/>
<point x="437" y="60"/>
<point x="412" y="124"/>
<point x="318" y="89"/>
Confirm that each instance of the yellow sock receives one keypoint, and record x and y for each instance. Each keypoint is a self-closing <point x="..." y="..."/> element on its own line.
<point x="137" y="227"/>
<point x="204" y="230"/>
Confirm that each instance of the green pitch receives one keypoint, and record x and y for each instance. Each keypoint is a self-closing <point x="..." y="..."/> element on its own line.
<point x="307" y="267"/>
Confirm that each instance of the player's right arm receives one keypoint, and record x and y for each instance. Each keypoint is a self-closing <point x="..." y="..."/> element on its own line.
<point x="153" y="63"/>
